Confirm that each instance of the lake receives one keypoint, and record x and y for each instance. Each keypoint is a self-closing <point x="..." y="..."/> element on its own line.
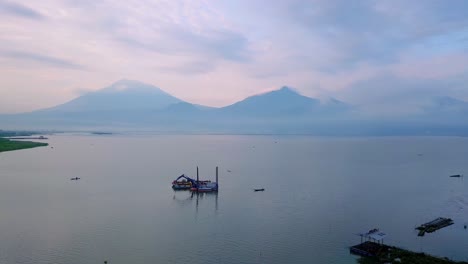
<point x="319" y="192"/>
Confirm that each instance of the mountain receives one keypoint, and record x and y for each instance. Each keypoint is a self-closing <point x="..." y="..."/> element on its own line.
<point x="124" y="95"/>
<point x="132" y="105"/>
<point x="445" y="110"/>
<point x="284" y="103"/>
<point x="448" y="104"/>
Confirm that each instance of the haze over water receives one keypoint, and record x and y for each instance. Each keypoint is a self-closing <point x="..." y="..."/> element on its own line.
<point x="319" y="193"/>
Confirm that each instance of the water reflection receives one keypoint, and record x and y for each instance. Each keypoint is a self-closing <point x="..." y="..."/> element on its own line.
<point x="185" y="198"/>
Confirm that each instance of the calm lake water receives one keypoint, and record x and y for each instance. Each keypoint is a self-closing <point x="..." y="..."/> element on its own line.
<point x="319" y="193"/>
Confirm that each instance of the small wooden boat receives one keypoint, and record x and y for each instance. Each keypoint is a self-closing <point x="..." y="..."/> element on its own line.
<point x="75" y="179"/>
<point x="259" y="190"/>
<point x="455" y="176"/>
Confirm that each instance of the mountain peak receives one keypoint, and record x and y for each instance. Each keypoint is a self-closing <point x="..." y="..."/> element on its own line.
<point x="121" y="96"/>
<point x="283" y="101"/>
<point x="127" y="82"/>
<point x="283" y="91"/>
<point x="130" y="85"/>
<point x="287" y="89"/>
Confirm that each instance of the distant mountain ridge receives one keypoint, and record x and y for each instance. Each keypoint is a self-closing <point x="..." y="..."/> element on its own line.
<point x="122" y="95"/>
<point x="134" y="96"/>
<point x="281" y="101"/>
<point x="128" y="104"/>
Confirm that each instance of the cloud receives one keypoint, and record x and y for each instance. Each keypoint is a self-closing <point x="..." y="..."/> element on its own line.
<point x="440" y="67"/>
<point x="392" y="95"/>
<point x="430" y="19"/>
<point x="189" y="28"/>
<point x="217" y="52"/>
<point x="213" y="45"/>
<point x="41" y="59"/>
<point x="225" y="44"/>
<point x="193" y="67"/>
<point x="17" y="9"/>
<point x="377" y="31"/>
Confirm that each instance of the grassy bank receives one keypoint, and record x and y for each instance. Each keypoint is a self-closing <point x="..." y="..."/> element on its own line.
<point x="9" y="145"/>
<point x="398" y="255"/>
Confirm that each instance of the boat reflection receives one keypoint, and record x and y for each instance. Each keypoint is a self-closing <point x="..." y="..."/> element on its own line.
<point x="185" y="198"/>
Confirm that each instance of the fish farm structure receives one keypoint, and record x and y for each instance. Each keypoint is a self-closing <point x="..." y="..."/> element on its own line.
<point x="371" y="244"/>
<point x="434" y="225"/>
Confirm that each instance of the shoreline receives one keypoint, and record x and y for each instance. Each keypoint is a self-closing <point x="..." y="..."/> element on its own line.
<point x="12" y="145"/>
<point x="392" y="254"/>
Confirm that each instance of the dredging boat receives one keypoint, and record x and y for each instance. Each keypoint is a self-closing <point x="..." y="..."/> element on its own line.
<point x="206" y="186"/>
<point x="186" y="183"/>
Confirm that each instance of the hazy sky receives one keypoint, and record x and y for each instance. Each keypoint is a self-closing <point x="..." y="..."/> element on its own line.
<point x="217" y="52"/>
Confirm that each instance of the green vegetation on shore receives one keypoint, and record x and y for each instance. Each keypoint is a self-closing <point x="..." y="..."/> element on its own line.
<point x="398" y="255"/>
<point x="9" y="145"/>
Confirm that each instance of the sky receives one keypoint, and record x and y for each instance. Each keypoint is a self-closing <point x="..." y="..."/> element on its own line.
<point x="382" y="54"/>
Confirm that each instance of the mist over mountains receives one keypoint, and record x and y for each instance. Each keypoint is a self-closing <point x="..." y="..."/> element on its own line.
<point x="132" y="105"/>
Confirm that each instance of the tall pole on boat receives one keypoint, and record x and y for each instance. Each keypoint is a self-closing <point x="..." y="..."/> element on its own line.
<point x="216" y="174"/>
<point x="197" y="175"/>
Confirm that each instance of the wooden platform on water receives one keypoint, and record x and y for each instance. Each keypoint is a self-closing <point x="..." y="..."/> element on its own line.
<point x="434" y="225"/>
<point x="377" y="253"/>
<point x="369" y="249"/>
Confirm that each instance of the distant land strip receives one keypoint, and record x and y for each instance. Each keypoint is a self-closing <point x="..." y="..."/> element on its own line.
<point x="10" y="145"/>
<point x="398" y="255"/>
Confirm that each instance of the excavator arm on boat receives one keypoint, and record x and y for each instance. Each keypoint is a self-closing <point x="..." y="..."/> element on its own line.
<point x="185" y="177"/>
